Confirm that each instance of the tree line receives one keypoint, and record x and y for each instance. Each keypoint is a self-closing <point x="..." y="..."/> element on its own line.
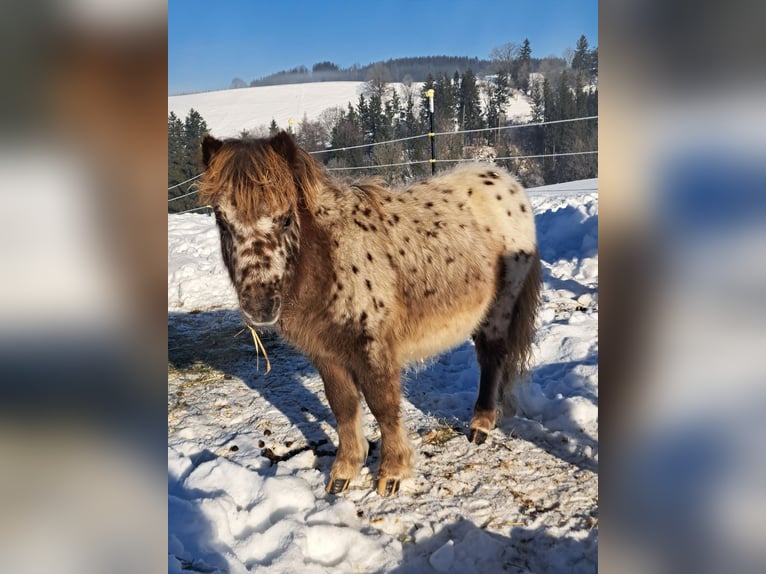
<point x="403" y="70"/>
<point x="184" y="155"/>
<point x="464" y="101"/>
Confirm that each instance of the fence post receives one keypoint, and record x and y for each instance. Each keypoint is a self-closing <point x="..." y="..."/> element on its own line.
<point x="431" y="133"/>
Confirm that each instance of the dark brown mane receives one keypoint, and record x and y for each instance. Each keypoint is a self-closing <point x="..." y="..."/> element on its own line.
<point x="261" y="176"/>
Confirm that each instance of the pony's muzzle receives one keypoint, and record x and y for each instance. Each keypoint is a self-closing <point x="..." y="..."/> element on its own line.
<point x="263" y="313"/>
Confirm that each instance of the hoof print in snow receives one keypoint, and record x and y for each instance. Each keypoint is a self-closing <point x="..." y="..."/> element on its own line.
<point x="477" y="436"/>
<point x="337" y="486"/>
<point x="387" y="487"/>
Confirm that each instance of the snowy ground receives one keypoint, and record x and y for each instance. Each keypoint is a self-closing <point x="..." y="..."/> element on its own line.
<point x="228" y="112"/>
<point x="248" y="453"/>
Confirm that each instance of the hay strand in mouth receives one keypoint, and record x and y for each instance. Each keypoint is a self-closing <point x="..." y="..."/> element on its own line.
<point x="259" y="348"/>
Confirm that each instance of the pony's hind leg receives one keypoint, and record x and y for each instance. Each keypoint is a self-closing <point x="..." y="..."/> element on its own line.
<point x="503" y="341"/>
<point x="491" y="354"/>
<point x="345" y="402"/>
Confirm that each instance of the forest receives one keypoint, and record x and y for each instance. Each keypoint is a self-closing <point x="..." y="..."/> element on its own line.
<point x="468" y="118"/>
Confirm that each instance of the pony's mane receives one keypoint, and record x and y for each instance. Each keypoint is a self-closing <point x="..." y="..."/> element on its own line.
<point x="370" y="190"/>
<point x="258" y="178"/>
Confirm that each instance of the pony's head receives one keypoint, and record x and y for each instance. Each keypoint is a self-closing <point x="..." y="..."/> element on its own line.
<point x="258" y="189"/>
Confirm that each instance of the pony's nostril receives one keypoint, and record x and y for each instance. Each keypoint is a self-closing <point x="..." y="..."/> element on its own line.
<point x="276" y="304"/>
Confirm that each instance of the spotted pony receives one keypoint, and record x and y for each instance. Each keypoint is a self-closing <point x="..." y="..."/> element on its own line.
<point x="365" y="279"/>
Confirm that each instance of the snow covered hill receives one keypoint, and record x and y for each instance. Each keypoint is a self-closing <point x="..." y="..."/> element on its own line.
<point x="248" y="453"/>
<point x="228" y="112"/>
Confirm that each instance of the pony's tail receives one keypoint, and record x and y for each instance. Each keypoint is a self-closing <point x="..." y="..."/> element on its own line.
<point x="521" y="332"/>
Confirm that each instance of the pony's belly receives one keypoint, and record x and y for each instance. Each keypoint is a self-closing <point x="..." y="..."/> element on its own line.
<point x="440" y="332"/>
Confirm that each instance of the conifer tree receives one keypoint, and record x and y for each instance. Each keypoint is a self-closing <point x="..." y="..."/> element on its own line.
<point x="469" y="105"/>
<point x="550" y="141"/>
<point x="538" y="105"/>
<point x="194" y="128"/>
<point x="497" y="99"/>
<point x="175" y="150"/>
<point x="411" y="124"/>
<point x="524" y="66"/>
<point x="593" y="63"/>
<point x="393" y="112"/>
<point x="414" y="149"/>
<point x="184" y="141"/>
<point x="534" y="143"/>
<point x="446" y="109"/>
<point x="347" y="132"/>
<point x="581" y="58"/>
<point x="566" y="133"/>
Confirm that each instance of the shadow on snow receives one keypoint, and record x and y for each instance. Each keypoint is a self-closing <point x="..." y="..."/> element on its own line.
<point x="477" y="550"/>
<point x="446" y="388"/>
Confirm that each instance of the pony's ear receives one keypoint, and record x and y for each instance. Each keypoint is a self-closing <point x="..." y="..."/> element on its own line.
<point x="283" y="144"/>
<point x="210" y="146"/>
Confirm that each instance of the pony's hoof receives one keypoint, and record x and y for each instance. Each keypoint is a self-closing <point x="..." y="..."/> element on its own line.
<point x="337" y="486"/>
<point x="477" y="436"/>
<point x="387" y="487"/>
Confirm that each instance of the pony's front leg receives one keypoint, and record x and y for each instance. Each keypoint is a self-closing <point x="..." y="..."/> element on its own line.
<point x="382" y="391"/>
<point x="345" y="403"/>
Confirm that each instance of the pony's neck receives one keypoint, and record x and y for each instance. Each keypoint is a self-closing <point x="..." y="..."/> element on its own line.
<point x="313" y="266"/>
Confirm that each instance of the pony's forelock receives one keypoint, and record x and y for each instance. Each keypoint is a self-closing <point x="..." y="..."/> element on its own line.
<point x="257" y="180"/>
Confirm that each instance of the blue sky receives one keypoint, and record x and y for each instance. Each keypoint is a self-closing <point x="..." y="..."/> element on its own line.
<point x="211" y="42"/>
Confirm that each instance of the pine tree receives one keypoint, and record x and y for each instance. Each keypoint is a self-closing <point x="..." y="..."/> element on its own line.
<point x="593" y="65"/>
<point x="411" y="125"/>
<point x="175" y="150"/>
<point x="524" y="66"/>
<point x="550" y="136"/>
<point x="566" y="133"/>
<point x="194" y="128"/>
<point x="497" y="99"/>
<point x="414" y="149"/>
<point x="538" y="105"/>
<point x="534" y="142"/>
<point x="348" y="132"/>
<point x="391" y="153"/>
<point x="469" y="106"/>
<point x="581" y="58"/>
<point x="273" y="127"/>
<point x="381" y="127"/>
<point x="184" y="141"/>
<point x="549" y="103"/>
<point x="585" y="136"/>
<point x="445" y="104"/>
<point x="393" y="112"/>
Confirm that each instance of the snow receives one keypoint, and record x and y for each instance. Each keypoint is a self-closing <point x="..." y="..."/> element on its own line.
<point x="519" y="108"/>
<point x="228" y="112"/>
<point x="249" y="453"/>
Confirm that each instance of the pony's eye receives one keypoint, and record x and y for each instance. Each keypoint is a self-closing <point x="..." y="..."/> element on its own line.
<point x="286" y="222"/>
